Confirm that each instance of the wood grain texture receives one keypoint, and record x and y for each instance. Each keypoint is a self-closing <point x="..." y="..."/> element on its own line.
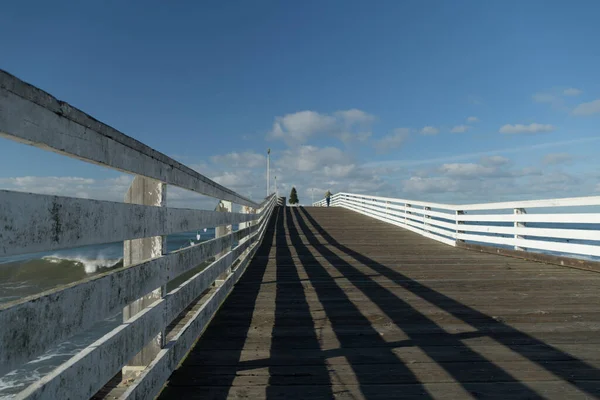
<point x="339" y="305"/>
<point x="30" y="115"/>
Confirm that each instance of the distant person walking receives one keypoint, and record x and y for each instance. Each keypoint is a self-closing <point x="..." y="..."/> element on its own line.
<point x="328" y="197"/>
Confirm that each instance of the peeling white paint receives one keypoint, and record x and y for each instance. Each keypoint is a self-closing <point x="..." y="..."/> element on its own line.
<point x="35" y="222"/>
<point x="151" y="381"/>
<point x="44" y="319"/>
<point x="32" y="116"/>
<point x="88" y="371"/>
<point x="41" y="321"/>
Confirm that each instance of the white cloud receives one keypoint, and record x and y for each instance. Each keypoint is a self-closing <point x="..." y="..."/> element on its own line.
<point x="403" y="163"/>
<point x="572" y="92"/>
<point x="248" y="159"/>
<point x="301" y="125"/>
<point x="474" y="170"/>
<point x="531" y="128"/>
<point x="494" y="160"/>
<point x="465" y="169"/>
<point x="298" y="127"/>
<point x="237" y="180"/>
<point x="393" y="141"/>
<point x="460" y="129"/>
<point x="556" y="97"/>
<point x="429" y="185"/>
<point x="338" y="170"/>
<point x="472" y="119"/>
<point x="312" y="158"/>
<point x="473" y="182"/>
<point x="112" y="189"/>
<point x="557" y="158"/>
<point x="429" y="130"/>
<point x="354" y="115"/>
<point x="347" y="137"/>
<point x="592" y="107"/>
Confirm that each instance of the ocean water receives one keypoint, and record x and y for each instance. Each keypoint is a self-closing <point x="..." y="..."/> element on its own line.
<point x="31" y="274"/>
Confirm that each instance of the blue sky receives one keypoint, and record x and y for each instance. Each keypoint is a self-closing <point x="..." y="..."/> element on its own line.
<point x="447" y="101"/>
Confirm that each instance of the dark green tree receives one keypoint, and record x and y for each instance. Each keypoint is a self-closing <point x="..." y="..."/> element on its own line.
<point x="293" y="196"/>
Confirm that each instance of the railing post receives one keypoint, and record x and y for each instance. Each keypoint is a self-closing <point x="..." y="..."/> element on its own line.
<point x="223" y="206"/>
<point x="458" y="223"/>
<point x="150" y="192"/>
<point x="518" y="211"/>
<point x="243" y="225"/>
<point x="425" y="218"/>
<point x="406" y="212"/>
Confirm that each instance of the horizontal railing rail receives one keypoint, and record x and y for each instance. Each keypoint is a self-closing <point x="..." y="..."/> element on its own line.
<point x="32" y="223"/>
<point x="499" y="224"/>
<point x="100" y="361"/>
<point x="32" y="116"/>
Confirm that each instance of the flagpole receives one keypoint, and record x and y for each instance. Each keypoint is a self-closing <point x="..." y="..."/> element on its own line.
<point x="268" y="171"/>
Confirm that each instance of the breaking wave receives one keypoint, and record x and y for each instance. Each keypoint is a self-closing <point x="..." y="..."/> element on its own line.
<point x="90" y="265"/>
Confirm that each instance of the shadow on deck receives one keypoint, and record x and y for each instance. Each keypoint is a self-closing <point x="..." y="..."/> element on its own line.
<point x="339" y="305"/>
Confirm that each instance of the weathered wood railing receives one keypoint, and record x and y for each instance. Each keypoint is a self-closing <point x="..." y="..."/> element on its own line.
<point x="34" y="223"/>
<point x="499" y="224"/>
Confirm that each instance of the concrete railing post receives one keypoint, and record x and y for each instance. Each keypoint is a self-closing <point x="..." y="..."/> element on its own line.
<point x="223" y="206"/>
<point x="150" y="192"/>
<point x="518" y="211"/>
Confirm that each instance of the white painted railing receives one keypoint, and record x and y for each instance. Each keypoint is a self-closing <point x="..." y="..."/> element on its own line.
<point x="504" y="224"/>
<point x="34" y="223"/>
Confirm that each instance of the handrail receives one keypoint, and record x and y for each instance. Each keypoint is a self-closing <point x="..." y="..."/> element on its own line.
<point x="562" y="202"/>
<point x="95" y="221"/>
<point x="30" y="115"/>
<point x="36" y="223"/>
<point x="514" y="228"/>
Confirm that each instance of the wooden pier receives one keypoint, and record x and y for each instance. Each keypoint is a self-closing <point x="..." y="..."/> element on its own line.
<point x="373" y="298"/>
<point x="339" y="305"/>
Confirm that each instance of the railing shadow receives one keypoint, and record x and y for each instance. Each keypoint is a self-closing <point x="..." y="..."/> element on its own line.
<point x="197" y="378"/>
<point x="580" y="374"/>
<point x="297" y="368"/>
<point x="353" y="330"/>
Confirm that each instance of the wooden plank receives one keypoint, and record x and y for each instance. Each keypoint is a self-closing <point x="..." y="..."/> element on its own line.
<point x="578" y="234"/>
<point x="439" y="238"/>
<point x="149" y="384"/>
<point x="32" y="116"/>
<point x="32" y="325"/>
<point x="32" y="223"/>
<point x="416" y="216"/>
<point x="375" y="373"/>
<point x="257" y="358"/>
<point x="574" y="248"/>
<point x="546" y="258"/>
<point x="183" y="260"/>
<point x="343" y="304"/>
<point x="442" y="391"/>
<point x="566" y="218"/>
<point x="152" y="379"/>
<point x="181" y="297"/>
<point x="85" y="373"/>
<point x="546" y="203"/>
<point x="45" y="319"/>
